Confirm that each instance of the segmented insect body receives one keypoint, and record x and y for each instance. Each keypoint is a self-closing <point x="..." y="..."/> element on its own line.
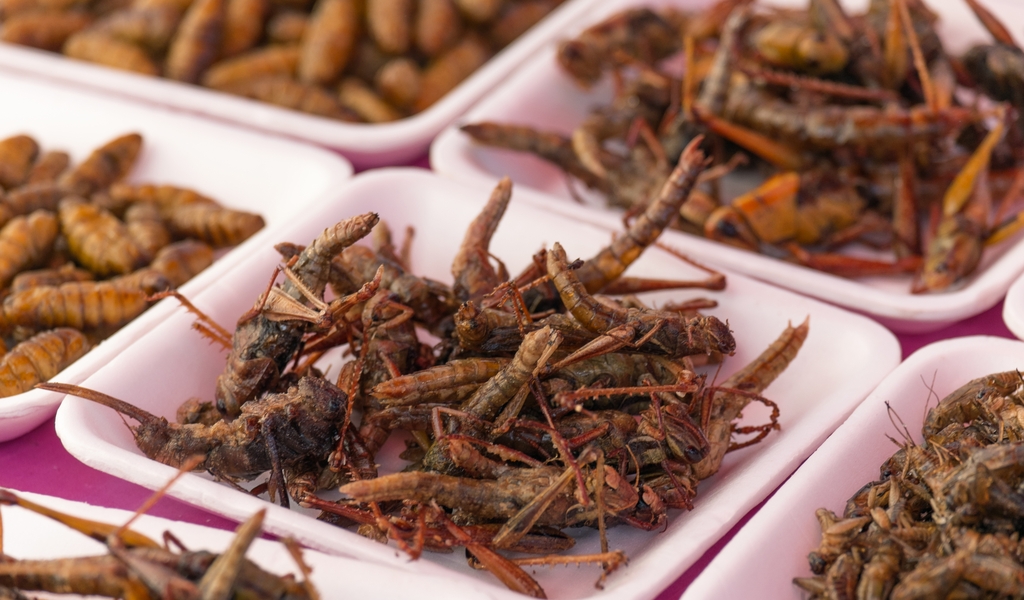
<point x="39" y="358"/>
<point x="86" y="306"/>
<point x="670" y="333"/>
<point x="474" y="275"/>
<point x="881" y="131"/>
<point x="63" y="274"/>
<point x="16" y="156"/>
<point x="751" y="379"/>
<point x="29" y="198"/>
<point x="215" y="225"/>
<point x="99" y="240"/>
<point x="275" y="431"/>
<point x="197" y="41"/>
<point x="328" y="41"/>
<point x="106" y="165"/>
<point x="398" y="82"/>
<point x="181" y="261"/>
<point x="261" y="348"/>
<point x="145" y="227"/>
<point x="25" y="242"/>
<point x="640" y="33"/>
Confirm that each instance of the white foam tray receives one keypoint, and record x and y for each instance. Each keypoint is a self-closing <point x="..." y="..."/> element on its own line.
<point x="1013" y="308"/>
<point x="274" y="177"/>
<point x="366" y="145"/>
<point x="29" y="536"/>
<point x="844" y="356"/>
<point x="771" y="549"/>
<point x="540" y="95"/>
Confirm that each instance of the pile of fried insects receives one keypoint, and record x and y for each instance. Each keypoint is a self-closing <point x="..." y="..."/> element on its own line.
<point x="544" y="406"/>
<point x="137" y="567"/>
<point x="355" y="60"/>
<point x="82" y="254"/>
<point x="868" y="136"/>
<point x="944" y="518"/>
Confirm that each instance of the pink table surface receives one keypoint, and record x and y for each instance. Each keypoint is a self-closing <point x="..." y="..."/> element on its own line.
<point x="37" y="462"/>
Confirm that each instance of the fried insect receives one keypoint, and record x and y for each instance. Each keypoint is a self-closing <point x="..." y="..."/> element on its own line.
<point x="99" y="240"/>
<point x="262" y="347"/>
<point x="39" y="358"/>
<point x="215" y="225"/>
<point x="146" y="229"/>
<point x="328" y="41"/>
<point x="197" y="42"/>
<point x="29" y="279"/>
<point x="271" y="433"/>
<point x="106" y="165"/>
<point x="93" y="306"/>
<point x="25" y="242"/>
<point x="16" y="156"/>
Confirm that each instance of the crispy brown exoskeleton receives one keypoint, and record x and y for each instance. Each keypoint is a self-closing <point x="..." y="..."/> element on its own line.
<point x="275" y="431"/>
<point x="39" y="358"/>
<point x="639" y="32"/>
<point x="106" y="165"/>
<point x="181" y="261"/>
<point x="30" y="198"/>
<point x="87" y="306"/>
<point x="26" y="242"/>
<point x="197" y="42"/>
<point x="27" y="280"/>
<point x="98" y="47"/>
<point x="328" y="41"/>
<point x="215" y="225"/>
<point x="146" y="228"/>
<point x="261" y="347"/>
<point x="16" y="156"/>
<point x="98" y="240"/>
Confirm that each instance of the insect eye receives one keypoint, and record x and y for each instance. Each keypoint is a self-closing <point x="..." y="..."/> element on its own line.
<point x="693" y="454"/>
